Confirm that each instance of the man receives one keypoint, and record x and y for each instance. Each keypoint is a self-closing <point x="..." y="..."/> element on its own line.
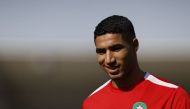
<point x="129" y="87"/>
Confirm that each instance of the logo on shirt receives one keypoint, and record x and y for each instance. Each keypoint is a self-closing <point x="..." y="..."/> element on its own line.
<point x="139" y="105"/>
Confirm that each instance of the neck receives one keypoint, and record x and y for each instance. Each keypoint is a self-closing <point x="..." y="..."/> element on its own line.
<point x="130" y="80"/>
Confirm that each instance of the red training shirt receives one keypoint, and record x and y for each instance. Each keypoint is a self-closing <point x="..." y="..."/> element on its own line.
<point x="151" y="93"/>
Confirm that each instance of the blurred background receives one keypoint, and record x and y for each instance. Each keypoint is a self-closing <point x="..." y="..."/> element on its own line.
<point x="47" y="53"/>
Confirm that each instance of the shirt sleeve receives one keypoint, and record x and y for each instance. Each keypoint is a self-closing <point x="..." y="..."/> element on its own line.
<point x="181" y="99"/>
<point x="85" y="104"/>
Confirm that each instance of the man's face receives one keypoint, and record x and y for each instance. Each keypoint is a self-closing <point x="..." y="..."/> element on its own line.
<point x="114" y="55"/>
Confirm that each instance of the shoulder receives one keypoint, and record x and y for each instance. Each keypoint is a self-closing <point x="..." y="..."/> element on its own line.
<point x="160" y="82"/>
<point x="100" y="88"/>
<point x="181" y="99"/>
<point x="96" y="95"/>
<point x="156" y="86"/>
<point x="173" y="94"/>
<point x="162" y="86"/>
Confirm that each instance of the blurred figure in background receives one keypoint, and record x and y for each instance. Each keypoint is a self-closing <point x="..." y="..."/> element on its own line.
<point x="129" y="86"/>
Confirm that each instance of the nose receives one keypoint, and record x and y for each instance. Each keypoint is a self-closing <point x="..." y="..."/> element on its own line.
<point x="109" y="58"/>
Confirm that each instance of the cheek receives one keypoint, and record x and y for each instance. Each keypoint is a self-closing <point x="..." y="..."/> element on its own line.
<point x="121" y="57"/>
<point x="100" y="59"/>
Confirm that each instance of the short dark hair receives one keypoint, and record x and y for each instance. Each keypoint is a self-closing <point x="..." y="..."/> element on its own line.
<point x="115" y="24"/>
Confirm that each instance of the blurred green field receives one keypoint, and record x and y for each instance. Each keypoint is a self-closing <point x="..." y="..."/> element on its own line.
<point x="59" y="84"/>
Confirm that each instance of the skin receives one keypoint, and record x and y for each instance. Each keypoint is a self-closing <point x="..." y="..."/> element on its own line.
<point x="117" y="57"/>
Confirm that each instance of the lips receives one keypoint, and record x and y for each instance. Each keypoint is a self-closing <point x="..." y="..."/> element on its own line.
<point x="113" y="70"/>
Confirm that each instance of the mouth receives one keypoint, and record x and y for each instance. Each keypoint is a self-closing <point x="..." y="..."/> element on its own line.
<point x="113" y="70"/>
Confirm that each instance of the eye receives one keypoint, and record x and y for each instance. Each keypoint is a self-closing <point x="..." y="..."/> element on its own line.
<point x="100" y="51"/>
<point x="116" y="47"/>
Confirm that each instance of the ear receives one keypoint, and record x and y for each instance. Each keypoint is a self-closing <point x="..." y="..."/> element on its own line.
<point x="135" y="44"/>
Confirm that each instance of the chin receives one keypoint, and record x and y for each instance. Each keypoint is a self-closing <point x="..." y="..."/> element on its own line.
<point x="114" y="77"/>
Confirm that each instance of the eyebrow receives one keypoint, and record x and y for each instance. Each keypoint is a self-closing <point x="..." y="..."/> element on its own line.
<point x="100" y="50"/>
<point x="115" y="46"/>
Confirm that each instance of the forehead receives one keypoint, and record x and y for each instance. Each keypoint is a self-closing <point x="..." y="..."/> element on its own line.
<point x="109" y="39"/>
